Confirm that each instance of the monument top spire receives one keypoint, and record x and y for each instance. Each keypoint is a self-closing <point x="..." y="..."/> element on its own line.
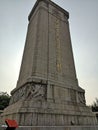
<point x="52" y="4"/>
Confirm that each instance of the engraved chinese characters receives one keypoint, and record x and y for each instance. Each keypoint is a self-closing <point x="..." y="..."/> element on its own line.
<point x="58" y="46"/>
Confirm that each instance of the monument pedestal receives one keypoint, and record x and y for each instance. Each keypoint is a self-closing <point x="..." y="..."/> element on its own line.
<point x="50" y="121"/>
<point x="32" y="113"/>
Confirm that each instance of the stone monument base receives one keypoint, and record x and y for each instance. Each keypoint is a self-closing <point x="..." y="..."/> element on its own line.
<point x="56" y="128"/>
<point x="61" y="128"/>
<point x="30" y="113"/>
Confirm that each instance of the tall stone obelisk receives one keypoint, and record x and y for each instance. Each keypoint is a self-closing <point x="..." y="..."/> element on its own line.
<point x="47" y="91"/>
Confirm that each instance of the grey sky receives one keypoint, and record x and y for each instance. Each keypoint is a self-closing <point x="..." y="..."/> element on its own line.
<point x="84" y="33"/>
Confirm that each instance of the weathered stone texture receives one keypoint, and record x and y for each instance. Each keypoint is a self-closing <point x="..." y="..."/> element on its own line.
<point x="47" y="91"/>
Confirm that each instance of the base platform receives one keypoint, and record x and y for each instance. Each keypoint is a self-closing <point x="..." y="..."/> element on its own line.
<point x="55" y="128"/>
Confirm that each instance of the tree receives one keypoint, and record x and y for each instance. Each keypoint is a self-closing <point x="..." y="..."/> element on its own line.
<point x="95" y="105"/>
<point x="4" y="100"/>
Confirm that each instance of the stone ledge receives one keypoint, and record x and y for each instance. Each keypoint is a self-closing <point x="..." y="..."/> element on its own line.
<point x="55" y="128"/>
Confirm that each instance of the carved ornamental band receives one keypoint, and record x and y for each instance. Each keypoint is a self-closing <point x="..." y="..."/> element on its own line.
<point x="30" y="91"/>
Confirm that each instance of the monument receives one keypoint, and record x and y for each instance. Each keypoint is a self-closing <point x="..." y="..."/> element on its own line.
<point x="47" y="91"/>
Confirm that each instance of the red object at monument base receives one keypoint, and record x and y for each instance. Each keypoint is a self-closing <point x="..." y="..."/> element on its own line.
<point x="11" y="123"/>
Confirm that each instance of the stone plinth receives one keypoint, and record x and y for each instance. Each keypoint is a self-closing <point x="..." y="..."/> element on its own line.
<point x="56" y="128"/>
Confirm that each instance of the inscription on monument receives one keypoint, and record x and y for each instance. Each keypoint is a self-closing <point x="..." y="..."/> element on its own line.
<point x="58" y="45"/>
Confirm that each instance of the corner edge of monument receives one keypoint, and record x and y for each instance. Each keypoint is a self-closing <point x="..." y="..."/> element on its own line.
<point x="49" y="2"/>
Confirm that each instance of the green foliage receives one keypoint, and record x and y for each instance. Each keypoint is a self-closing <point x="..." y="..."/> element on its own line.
<point x="95" y="105"/>
<point x="4" y="100"/>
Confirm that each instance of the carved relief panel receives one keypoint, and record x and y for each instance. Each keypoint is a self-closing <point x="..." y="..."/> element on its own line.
<point x="30" y="91"/>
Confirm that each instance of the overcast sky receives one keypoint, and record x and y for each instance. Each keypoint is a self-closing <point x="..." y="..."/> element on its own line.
<point x="84" y="35"/>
